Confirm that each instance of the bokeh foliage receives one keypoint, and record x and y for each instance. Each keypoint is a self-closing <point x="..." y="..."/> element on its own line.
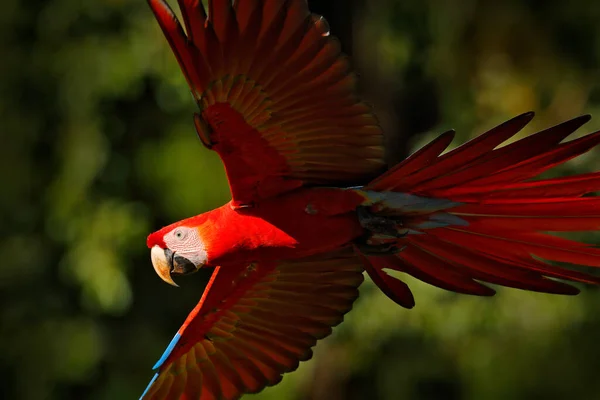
<point x="98" y="148"/>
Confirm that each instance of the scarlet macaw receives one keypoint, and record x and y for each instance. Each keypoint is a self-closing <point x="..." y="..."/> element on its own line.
<point x="312" y="207"/>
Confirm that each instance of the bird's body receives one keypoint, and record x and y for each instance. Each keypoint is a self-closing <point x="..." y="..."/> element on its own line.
<point x="314" y="205"/>
<point x="297" y="224"/>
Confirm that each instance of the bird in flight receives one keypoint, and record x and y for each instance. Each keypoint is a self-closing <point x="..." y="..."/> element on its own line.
<point x="314" y="205"/>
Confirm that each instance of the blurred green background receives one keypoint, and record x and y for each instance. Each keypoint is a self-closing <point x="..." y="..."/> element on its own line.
<point x="98" y="149"/>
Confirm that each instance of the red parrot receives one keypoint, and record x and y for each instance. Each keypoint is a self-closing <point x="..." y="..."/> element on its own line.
<point x="313" y="205"/>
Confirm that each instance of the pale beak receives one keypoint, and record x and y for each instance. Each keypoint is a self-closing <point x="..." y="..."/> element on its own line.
<point x="162" y="264"/>
<point x="167" y="263"/>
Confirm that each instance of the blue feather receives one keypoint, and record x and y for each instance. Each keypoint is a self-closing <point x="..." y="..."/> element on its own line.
<point x="168" y="351"/>
<point x="160" y="362"/>
<point x="149" y="385"/>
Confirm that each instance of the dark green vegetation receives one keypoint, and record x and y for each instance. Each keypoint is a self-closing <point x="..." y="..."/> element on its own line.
<point x="98" y="149"/>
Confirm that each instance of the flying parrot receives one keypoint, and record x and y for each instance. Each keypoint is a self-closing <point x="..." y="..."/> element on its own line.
<point x="314" y="205"/>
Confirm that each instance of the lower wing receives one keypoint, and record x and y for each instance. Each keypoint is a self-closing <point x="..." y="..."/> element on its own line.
<point x="272" y="317"/>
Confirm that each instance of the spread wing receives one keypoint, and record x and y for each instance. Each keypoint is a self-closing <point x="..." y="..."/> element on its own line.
<point x="277" y="97"/>
<point x="242" y="338"/>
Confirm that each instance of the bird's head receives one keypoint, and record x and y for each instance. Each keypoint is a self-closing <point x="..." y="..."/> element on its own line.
<point x="177" y="249"/>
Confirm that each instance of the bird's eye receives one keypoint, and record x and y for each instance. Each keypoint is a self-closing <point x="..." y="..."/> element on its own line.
<point x="179" y="234"/>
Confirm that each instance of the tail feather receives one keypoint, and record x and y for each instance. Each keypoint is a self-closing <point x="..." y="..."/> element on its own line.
<point x="493" y="227"/>
<point x="537" y="214"/>
<point x="526" y="262"/>
<point x="563" y="187"/>
<point x="543" y="162"/>
<point x="395" y="289"/>
<point x="493" y="270"/>
<point x="416" y="162"/>
<point x="524" y="244"/>
<point x="504" y="157"/>
<point x="436" y="271"/>
<point x="398" y="180"/>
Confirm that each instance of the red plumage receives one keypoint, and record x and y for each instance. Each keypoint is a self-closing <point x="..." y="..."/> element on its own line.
<point x="312" y="207"/>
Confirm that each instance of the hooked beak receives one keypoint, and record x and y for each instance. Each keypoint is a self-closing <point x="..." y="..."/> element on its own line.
<point x="167" y="263"/>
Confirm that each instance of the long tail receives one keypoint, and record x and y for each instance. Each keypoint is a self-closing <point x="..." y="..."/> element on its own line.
<point x="476" y="215"/>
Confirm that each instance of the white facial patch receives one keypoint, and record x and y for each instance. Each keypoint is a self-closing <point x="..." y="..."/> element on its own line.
<point x="186" y="242"/>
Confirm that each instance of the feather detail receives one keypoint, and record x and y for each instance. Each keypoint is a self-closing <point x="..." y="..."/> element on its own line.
<point x="541" y="143"/>
<point x="395" y="289"/>
<point x="455" y="159"/>
<point x="241" y="341"/>
<point x="417" y="161"/>
<point x="475" y="215"/>
<point x="269" y="79"/>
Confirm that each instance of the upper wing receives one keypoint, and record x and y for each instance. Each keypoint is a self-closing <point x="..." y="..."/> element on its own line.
<point x="242" y="339"/>
<point x="277" y="97"/>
